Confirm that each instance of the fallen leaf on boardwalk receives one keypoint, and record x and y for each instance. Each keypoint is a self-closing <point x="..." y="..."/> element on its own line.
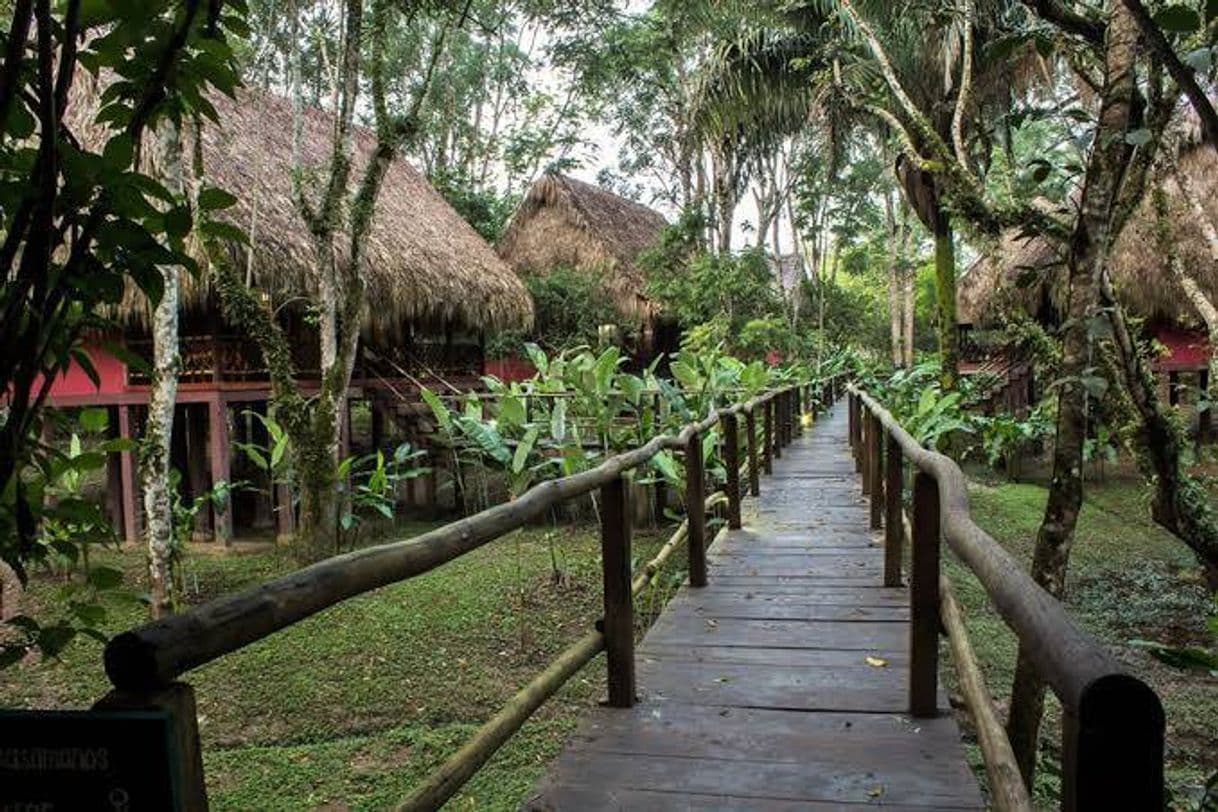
<point x="876" y="791"/>
<point x="877" y="662"/>
<point x="711" y="624"/>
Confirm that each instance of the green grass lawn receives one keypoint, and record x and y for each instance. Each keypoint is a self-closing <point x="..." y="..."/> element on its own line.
<point x="1128" y="580"/>
<point x="350" y="708"/>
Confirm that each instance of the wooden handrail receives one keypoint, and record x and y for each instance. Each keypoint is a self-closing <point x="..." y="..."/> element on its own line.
<point x="1113" y="723"/>
<point x="156" y="653"/>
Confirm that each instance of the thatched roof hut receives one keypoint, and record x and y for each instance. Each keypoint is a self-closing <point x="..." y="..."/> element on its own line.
<point x="424" y="266"/>
<point x="1028" y="272"/>
<point x="566" y="222"/>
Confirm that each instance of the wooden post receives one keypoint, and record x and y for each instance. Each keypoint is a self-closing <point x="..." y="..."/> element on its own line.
<point x="750" y="430"/>
<point x="218" y="448"/>
<point x="619" y="607"/>
<point x="894" y="520"/>
<point x="1112" y="747"/>
<point x="731" y="458"/>
<point x="860" y="438"/>
<point x="767" y="435"/>
<point x="114" y="475"/>
<point x="776" y="411"/>
<point x="863" y="462"/>
<point x="131" y="533"/>
<point x="186" y="756"/>
<point x="876" y="467"/>
<point x="798" y="403"/>
<point x="924" y="598"/>
<point x="695" y="491"/>
<point x="851" y="417"/>
<point x="196" y="463"/>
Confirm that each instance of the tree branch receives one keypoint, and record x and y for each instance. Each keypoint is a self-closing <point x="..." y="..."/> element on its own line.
<point x="1182" y="74"/>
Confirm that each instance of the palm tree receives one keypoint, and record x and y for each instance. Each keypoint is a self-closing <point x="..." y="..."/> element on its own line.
<point x="910" y="71"/>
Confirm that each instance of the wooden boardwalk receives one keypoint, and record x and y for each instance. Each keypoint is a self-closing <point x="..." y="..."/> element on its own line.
<point x="782" y="684"/>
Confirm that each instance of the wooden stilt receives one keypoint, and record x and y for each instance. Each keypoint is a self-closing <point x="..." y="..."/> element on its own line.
<point x="196" y="462"/>
<point x="218" y="455"/>
<point x="264" y="500"/>
<point x="127" y="473"/>
<point x="114" y="478"/>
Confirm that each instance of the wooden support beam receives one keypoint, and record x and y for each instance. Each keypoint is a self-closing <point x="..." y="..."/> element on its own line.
<point x="219" y="452"/>
<point x="1007" y="790"/>
<point x="695" y="487"/>
<point x="731" y="458"/>
<point x="894" y="518"/>
<point x="924" y="598"/>
<point x="865" y="454"/>
<point x="750" y="431"/>
<point x="876" y="467"/>
<point x="776" y="412"/>
<point x="131" y="532"/>
<point x="196" y="463"/>
<point x="767" y="436"/>
<point x="618" y="622"/>
<point x="797" y="402"/>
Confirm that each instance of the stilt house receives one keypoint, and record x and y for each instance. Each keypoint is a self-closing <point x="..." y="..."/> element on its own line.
<point x="433" y="288"/>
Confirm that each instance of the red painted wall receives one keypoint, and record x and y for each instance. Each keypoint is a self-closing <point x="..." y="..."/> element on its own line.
<point x="75" y="381"/>
<point x="509" y="369"/>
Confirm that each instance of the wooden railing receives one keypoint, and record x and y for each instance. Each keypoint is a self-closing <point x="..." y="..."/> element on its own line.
<point x="1112" y="722"/>
<point x="144" y="663"/>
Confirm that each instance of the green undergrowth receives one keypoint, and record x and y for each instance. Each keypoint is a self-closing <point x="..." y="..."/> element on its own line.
<point x="350" y="708"/>
<point x="1128" y="580"/>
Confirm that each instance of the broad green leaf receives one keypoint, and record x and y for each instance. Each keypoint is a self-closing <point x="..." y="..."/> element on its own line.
<point x="443" y="415"/>
<point x="521" y="458"/>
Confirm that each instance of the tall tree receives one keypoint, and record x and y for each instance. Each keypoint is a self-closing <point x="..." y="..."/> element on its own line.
<point x="338" y="215"/>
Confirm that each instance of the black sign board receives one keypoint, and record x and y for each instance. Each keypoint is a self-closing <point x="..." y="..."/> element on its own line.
<point x="111" y="761"/>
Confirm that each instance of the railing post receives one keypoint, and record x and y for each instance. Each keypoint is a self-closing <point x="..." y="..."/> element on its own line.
<point x="924" y="598"/>
<point x="797" y="399"/>
<point x="1112" y="747"/>
<point x="862" y="458"/>
<point x="875" y="466"/>
<point x="695" y="493"/>
<point x="851" y="417"/>
<point x="767" y="435"/>
<point x="750" y="430"/>
<point x="619" y="605"/>
<point x="894" y="519"/>
<point x="788" y="416"/>
<point x="776" y="411"/>
<point x="731" y="458"/>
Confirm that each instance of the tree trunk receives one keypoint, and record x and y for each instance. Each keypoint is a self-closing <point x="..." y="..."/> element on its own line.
<point x="1089" y="248"/>
<point x="945" y="297"/>
<point x="158" y="431"/>
<point x="894" y="283"/>
<point x="154" y="453"/>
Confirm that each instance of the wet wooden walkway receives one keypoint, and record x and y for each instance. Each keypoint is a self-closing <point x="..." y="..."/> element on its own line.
<point x="782" y="684"/>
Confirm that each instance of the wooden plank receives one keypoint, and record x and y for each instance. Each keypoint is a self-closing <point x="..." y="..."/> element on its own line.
<point x="861" y="636"/>
<point x="570" y="797"/>
<point x="758" y="655"/>
<point x="857" y="687"/>
<point x="875" y="774"/>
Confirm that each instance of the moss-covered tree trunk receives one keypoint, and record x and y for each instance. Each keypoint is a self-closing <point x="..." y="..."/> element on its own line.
<point x="945" y="302"/>
<point x="1088" y="253"/>
<point x="158" y="430"/>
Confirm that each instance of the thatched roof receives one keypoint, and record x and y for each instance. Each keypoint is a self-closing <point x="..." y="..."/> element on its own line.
<point x="1013" y="274"/>
<point x="1139" y="271"/>
<point x="423" y="264"/>
<point x="566" y="222"/>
